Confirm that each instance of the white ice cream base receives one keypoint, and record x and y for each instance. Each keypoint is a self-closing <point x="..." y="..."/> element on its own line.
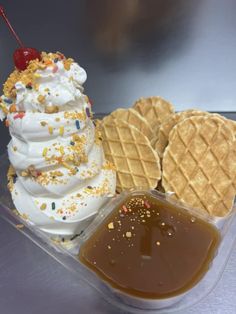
<point x="30" y="138"/>
<point x="88" y="206"/>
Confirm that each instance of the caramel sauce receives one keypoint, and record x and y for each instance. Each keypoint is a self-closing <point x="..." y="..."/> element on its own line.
<point x="150" y="249"/>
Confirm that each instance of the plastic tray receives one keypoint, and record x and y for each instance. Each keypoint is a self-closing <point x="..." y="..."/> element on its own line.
<point x="66" y="254"/>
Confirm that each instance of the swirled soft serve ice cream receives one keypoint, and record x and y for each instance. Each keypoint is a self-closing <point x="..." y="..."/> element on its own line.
<point x="58" y="177"/>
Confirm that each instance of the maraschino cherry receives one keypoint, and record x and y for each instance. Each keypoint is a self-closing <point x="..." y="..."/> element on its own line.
<point x="23" y="55"/>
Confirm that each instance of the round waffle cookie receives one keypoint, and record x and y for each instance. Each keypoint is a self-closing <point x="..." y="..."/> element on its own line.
<point x="232" y="160"/>
<point x="230" y="123"/>
<point x="136" y="162"/>
<point x="163" y="132"/>
<point x="197" y="166"/>
<point x="131" y="116"/>
<point x="154" y="109"/>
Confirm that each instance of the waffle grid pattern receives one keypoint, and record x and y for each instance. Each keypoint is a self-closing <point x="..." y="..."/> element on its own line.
<point x="199" y="171"/>
<point x="133" y="117"/>
<point x="168" y="124"/>
<point x="137" y="164"/>
<point x="154" y="109"/>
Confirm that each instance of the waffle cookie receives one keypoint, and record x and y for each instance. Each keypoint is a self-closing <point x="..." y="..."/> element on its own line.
<point x="163" y="132"/>
<point x="230" y="123"/>
<point x="197" y="164"/>
<point x="232" y="160"/>
<point x="154" y="109"/>
<point x="161" y="140"/>
<point x="132" y="117"/>
<point x="136" y="162"/>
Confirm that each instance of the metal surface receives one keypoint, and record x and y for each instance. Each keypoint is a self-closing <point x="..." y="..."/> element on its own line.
<point x="32" y="282"/>
<point x="182" y="50"/>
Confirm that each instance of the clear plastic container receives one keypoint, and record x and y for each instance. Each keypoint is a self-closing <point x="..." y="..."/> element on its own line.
<point x="67" y="253"/>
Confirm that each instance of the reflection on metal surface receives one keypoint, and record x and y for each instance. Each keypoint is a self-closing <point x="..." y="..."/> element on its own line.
<point x="181" y="50"/>
<point x="138" y="27"/>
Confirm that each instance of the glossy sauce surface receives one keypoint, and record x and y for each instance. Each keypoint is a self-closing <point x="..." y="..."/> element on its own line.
<point x="150" y="249"/>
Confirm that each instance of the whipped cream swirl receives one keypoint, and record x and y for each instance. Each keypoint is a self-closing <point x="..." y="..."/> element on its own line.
<point x="62" y="177"/>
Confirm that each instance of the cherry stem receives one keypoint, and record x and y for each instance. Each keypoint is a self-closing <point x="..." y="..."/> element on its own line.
<point x="2" y="13"/>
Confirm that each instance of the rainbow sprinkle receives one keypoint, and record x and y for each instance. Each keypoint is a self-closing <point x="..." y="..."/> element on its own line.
<point x="45" y="150"/>
<point x="88" y="112"/>
<point x="61" y="130"/>
<point x="77" y="124"/>
<point x="50" y="130"/>
<point x="19" y="115"/>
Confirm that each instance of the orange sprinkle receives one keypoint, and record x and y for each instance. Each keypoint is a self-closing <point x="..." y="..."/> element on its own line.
<point x="48" y="62"/>
<point x="12" y="108"/>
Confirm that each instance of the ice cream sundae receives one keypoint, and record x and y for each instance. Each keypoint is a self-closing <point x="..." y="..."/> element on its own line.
<point x="58" y="177"/>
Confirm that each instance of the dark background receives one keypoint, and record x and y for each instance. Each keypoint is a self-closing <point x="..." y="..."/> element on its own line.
<point x="182" y="50"/>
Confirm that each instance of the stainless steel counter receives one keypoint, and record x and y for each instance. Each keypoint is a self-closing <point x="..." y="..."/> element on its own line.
<point x="31" y="282"/>
<point x="182" y="50"/>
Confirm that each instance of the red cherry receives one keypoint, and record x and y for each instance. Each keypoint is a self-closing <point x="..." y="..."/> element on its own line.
<point x="22" y="57"/>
